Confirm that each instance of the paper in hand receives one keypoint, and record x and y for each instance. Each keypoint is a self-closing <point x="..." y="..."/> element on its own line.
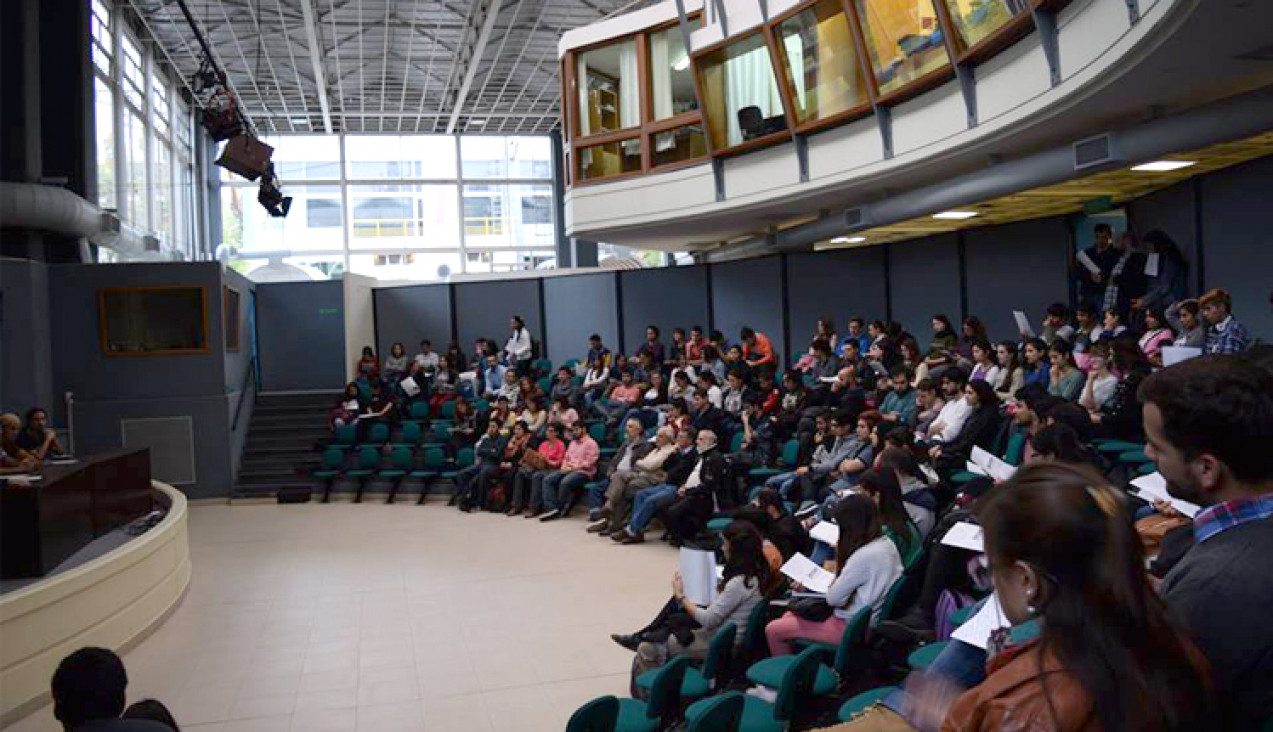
<point x="826" y="532"/>
<point x="409" y="386"/>
<point x="993" y="466"/>
<point x="1023" y="323"/>
<point x="965" y="535"/>
<point x="976" y="632"/>
<point x="698" y="576"/>
<point x="1172" y="355"/>
<point x="1154" y="487"/>
<point x="1151" y="264"/>
<point x="1087" y="262"/>
<point x="800" y="569"/>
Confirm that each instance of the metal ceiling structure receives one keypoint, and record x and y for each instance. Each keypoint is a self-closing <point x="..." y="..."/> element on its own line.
<point x="394" y="66"/>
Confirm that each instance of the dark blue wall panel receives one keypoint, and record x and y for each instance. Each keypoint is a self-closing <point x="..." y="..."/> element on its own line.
<point x="669" y="298"/>
<point x="483" y="310"/>
<point x="749" y="293"/>
<point x="1237" y="238"/>
<point x="924" y="280"/>
<point x="837" y="285"/>
<point x="412" y="314"/>
<point x="1174" y="211"/>
<point x="576" y="307"/>
<point x="301" y="331"/>
<point x="1021" y="266"/>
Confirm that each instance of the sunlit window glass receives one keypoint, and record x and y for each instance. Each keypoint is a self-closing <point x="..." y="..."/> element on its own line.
<point x="161" y="190"/>
<point x="103" y="43"/>
<point x="977" y="19"/>
<point x="678" y="145"/>
<point x="135" y="142"/>
<point x="609" y="159"/>
<point x="820" y="63"/>
<point x="903" y="39"/>
<point x="609" y="88"/>
<point x="104" y="120"/>
<point x="313" y="224"/>
<point x="134" y="81"/>
<point x="671" y="80"/>
<point x="378" y="157"/>
<point x="424" y="216"/>
<point x="508" y="216"/>
<point x="740" y="93"/>
<point x="306" y="157"/>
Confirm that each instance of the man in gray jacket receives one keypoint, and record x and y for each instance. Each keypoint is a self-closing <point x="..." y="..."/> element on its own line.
<point x="634" y="447"/>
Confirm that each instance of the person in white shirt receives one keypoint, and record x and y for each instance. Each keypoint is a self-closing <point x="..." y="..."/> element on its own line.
<point x="427" y="359"/>
<point x="950" y="420"/>
<point x="519" y="347"/>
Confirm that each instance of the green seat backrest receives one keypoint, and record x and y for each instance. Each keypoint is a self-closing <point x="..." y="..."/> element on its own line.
<point x="1015" y="448"/>
<point x="665" y="692"/>
<point x="434" y="458"/>
<point x="346" y="434"/>
<point x="890" y="599"/>
<point x="754" y="635"/>
<point x="598" y="432"/>
<point x="790" y="453"/>
<point x="448" y="409"/>
<point x="736" y="442"/>
<point x="379" y="434"/>
<point x="481" y="406"/>
<point x="719" y="651"/>
<point x="333" y="458"/>
<point x="411" y="432"/>
<point x="797" y="683"/>
<point x="578" y="380"/>
<point x="401" y="458"/>
<point x="721" y="713"/>
<point x="915" y="548"/>
<point x="545" y="385"/>
<point x="571" y="363"/>
<point x="419" y="410"/>
<point x="464" y="458"/>
<point x="599" y="715"/>
<point x="852" y="642"/>
<point x="368" y="458"/>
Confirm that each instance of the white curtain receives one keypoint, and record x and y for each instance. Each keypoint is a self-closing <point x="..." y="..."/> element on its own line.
<point x="629" y="87"/>
<point x="581" y="80"/>
<point x="793" y="46"/>
<point x="661" y="75"/>
<point x="749" y="82"/>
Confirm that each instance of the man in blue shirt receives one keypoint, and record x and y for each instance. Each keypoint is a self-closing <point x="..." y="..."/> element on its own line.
<point x="1224" y="333"/>
<point x="899" y="407"/>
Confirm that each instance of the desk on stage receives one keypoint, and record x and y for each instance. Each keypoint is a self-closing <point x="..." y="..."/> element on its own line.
<point x="43" y="523"/>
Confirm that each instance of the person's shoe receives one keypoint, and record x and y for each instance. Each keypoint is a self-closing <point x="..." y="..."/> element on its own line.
<point x="552" y="515"/>
<point x="594" y="515"/>
<point x="618" y="536"/>
<point x="633" y="539"/>
<point x="534" y="513"/>
<point x="667" y="536"/>
<point x="629" y="642"/>
<point x="607" y="531"/>
<point x="598" y="527"/>
<point x="605" y="512"/>
<point x="454" y="499"/>
<point x="513" y="511"/>
<point x="466" y="508"/>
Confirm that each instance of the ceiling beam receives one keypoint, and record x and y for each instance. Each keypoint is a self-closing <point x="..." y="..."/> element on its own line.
<point x="320" y="79"/>
<point x="488" y="12"/>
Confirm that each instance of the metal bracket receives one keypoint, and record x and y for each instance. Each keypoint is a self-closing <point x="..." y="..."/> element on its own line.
<point x="685" y="24"/>
<point x="718" y="172"/>
<point x="884" y="117"/>
<point x="1133" y="12"/>
<point x="1045" y="22"/>
<point x="721" y="17"/>
<point x="967" y="76"/>
<point x="802" y="156"/>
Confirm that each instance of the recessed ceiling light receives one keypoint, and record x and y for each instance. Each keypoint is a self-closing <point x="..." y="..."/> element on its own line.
<point x="477" y="123"/>
<point x="955" y="215"/>
<point x="1162" y="166"/>
<point x="848" y="240"/>
<point x="300" y="120"/>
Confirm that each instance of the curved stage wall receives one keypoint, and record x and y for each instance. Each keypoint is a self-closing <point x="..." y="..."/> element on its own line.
<point x="113" y="601"/>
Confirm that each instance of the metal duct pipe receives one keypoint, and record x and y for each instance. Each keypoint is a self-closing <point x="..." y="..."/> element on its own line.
<point x="57" y="210"/>
<point x="1231" y="119"/>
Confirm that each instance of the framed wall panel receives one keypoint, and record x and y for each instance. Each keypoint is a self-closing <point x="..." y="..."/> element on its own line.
<point x="1020" y="266"/>
<point x="412" y="314"/>
<point x="1174" y="210"/>
<point x="669" y="298"/>
<point x="483" y="309"/>
<point x="576" y="307"/>
<point x="1237" y="240"/>
<point x="838" y="285"/>
<point x="749" y="293"/>
<point x="924" y="280"/>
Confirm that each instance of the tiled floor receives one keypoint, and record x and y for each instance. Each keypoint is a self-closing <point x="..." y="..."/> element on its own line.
<point x="374" y="618"/>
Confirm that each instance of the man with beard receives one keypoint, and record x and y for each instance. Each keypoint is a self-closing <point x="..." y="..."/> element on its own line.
<point x="1208" y="422"/>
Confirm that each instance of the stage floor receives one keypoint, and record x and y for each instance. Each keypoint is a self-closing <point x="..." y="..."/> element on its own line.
<point x="374" y="618"/>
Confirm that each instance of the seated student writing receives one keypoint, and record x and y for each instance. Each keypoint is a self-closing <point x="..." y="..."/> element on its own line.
<point x="13" y="459"/>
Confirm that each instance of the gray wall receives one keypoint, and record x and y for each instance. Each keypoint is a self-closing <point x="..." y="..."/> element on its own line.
<point x="483" y="309"/>
<point x="26" y="350"/>
<point x="838" y="285"/>
<point x="669" y="298"/>
<point x="749" y="293"/>
<point x="412" y="314"/>
<point x="301" y="332"/>
<point x="924" y="281"/>
<point x="576" y="307"/>
<point x="1021" y="266"/>
<point x="1174" y="211"/>
<point x="240" y="386"/>
<point x="1237" y="239"/>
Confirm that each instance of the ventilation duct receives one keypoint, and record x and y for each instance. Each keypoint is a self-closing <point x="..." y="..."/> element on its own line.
<point x="57" y="210"/>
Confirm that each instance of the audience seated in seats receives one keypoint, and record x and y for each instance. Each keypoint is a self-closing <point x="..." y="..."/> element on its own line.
<point x="494" y="376"/>
<point x="824" y="329"/>
<point x="700" y="495"/>
<point x="908" y="354"/>
<point x="653" y="347"/>
<point x="648" y="502"/>
<point x="867" y="564"/>
<point x="503" y="415"/>
<point x="678" y="415"/>
<point x="464" y="427"/>
<point x="1104" y="255"/>
<point x="682" y="386"/>
<point x="152" y="710"/>
<point x="653" y="402"/>
<point x="1035" y="363"/>
<point x="917" y="497"/>
<point x="709" y="385"/>
<point x="706" y="416"/>
<point x="682" y="628"/>
<point x="857" y="457"/>
<point x="368" y="366"/>
<point x="647" y="468"/>
<point x="89" y="688"/>
<point x="642" y="367"/>
<point x="1100" y="380"/>
<point x="734" y="361"/>
<point x="536" y="465"/>
<point x="379" y="409"/>
<point x="944" y="336"/>
<point x="562" y="414"/>
<point x="1158" y="333"/>
<point x="1090" y="647"/>
<point x="395" y="366"/>
<point x="1085" y="327"/>
<point x="950" y="420"/>
<point x="676" y="352"/>
<point x="1224" y="333"/>
<point x="578" y="467"/>
<point x="1120" y="418"/>
<point x="822" y="364"/>
<point x="471" y="482"/>
<point x="595" y="383"/>
<point x="972" y="330"/>
<point x="1112" y="326"/>
<point x="511" y="389"/>
<point x="806" y="481"/>
<point x="633" y="447"/>
<point x="784" y="530"/>
<point x="37" y="437"/>
<point x="1186" y="318"/>
<point x="1065" y="378"/>
<point x="694" y="347"/>
<point x="758" y="353"/>
<point x="852" y="359"/>
<point x="528" y="389"/>
<point x="598" y="355"/>
<point x="985" y="365"/>
<point x="929" y="403"/>
<point x="1207" y="424"/>
<point x="519" y="350"/>
<point x="1056" y="325"/>
<point x="845" y="395"/>
<point x="455" y="355"/>
<point x="791" y="405"/>
<point x="735" y="395"/>
<point x="857" y="333"/>
<point x="979" y="429"/>
<point x="499" y="490"/>
<point x="446" y="384"/>
<point x="14" y="459"/>
<point x="713" y="364"/>
<point x="564" y="387"/>
<point x="623" y="396"/>
<point x="758" y="445"/>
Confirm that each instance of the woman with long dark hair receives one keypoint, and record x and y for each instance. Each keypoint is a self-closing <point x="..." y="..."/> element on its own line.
<point x="1035" y="363"/>
<point x="1010" y="378"/>
<point x="1120" y="417"/>
<point x="884" y="490"/>
<point x="868" y="564"/>
<point x="917" y="497"/>
<point x="1158" y="333"/>
<point x="1065" y="379"/>
<point x="979" y="430"/>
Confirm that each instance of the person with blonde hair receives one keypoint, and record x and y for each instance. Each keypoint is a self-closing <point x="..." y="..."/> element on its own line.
<point x="13" y="459"/>
<point x="1224" y="333"/>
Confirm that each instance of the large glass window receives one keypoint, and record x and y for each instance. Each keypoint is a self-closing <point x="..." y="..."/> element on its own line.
<point x="246" y="225"/>
<point x="818" y="59"/>
<point x="385" y="157"/>
<point x="678" y="145"/>
<point x="134" y="78"/>
<point x="609" y="159"/>
<point x="306" y="157"/>
<point x="104" y="119"/>
<point x="506" y="157"/>
<point x="161" y="187"/>
<point x="103" y="45"/>
<point x="740" y="93"/>
<point x="159" y="106"/>
<point x="976" y="20"/>
<point x="609" y="88"/>
<point x="508" y="216"/>
<point x="419" y="266"/>
<point x="671" y="80"/>
<point x="903" y="40"/>
<point x="418" y="216"/>
<point x="135" y="185"/>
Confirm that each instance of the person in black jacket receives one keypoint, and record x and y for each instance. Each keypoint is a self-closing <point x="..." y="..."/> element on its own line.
<point x="89" y="690"/>
<point x="697" y="498"/>
<point x="783" y="529"/>
<point x="649" y="501"/>
<point x="471" y="481"/>
<point x="705" y="416"/>
<point x="979" y="429"/>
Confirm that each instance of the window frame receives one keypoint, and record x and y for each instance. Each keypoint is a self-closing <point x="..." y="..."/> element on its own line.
<point x="233" y="301"/>
<point x="784" y="93"/>
<point x="864" y="109"/>
<point x="104" y="292"/>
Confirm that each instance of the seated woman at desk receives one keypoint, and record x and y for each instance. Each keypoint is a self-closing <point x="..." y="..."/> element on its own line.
<point x="14" y="459"/>
<point x="38" y="438"/>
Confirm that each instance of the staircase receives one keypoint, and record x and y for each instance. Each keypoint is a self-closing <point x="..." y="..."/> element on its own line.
<point x="279" y="452"/>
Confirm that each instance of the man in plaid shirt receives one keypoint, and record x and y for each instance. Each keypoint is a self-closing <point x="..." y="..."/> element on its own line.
<point x="1224" y="334"/>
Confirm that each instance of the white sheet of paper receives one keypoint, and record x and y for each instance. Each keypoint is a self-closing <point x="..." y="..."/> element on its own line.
<point x="352" y="405"/>
<point x="993" y="466"/>
<point x="1087" y="262"/>
<point x="1154" y="486"/>
<point x="965" y="535"/>
<point x="800" y="569"/>
<point x="1151" y="264"/>
<point x="409" y="386"/>
<point x="977" y="630"/>
<point x="827" y="379"/>
<point x="698" y="575"/>
<point x="1172" y="355"/>
<point x="972" y="467"/>
<point x="1023" y="323"/>
<point x="826" y="532"/>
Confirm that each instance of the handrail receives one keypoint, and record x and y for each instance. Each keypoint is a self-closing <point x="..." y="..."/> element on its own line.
<point x="243" y="392"/>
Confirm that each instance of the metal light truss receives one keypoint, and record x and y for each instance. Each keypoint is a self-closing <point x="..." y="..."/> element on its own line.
<point x="394" y="66"/>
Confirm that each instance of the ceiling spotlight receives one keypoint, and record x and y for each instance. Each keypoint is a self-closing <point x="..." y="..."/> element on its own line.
<point x="300" y="120"/>
<point x="1162" y="166"/>
<point x="955" y="215"/>
<point x="848" y="240"/>
<point x="682" y="64"/>
<point x="477" y="123"/>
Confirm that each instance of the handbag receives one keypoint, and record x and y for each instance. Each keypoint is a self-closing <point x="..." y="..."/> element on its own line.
<point x="814" y="609"/>
<point x="534" y="460"/>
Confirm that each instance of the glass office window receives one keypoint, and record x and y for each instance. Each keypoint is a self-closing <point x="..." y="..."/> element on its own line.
<point x="104" y="120"/>
<point x="307" y="227"/>
<point x="609" y="88"/>
<point x="740" y="93"/>
<point x="976" y="20"/>
<point x="903" y="39"/>
<point x="420" y="216"/>
<point x="508" y="216"/>
<point x="138" y="197"/>
<point x="678" y="145"/>
<point x="152" y="320"/>
<point x="486" y="157"/>
<point x="820" y="64"/>
<point x="671" y="79"/>
<point x="609" y="159"/>
<point x="161" y="190"/>
<point x="380" y="157"/>
<point x="306" y="157"/>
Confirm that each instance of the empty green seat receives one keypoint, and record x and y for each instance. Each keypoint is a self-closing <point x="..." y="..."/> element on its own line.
<point x="761" y="716"/>
<point x="411" y="434"/>
<point x="856" y="704"/>
<point x="923" y="657"/>
<point x="378" y="434"/>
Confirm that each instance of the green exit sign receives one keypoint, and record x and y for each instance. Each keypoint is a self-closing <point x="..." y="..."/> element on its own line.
<point x="1098" y="205"/>
<point x="329" y="311"/>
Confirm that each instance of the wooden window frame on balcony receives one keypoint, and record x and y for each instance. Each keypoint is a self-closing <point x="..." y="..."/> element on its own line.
<point x="821" y="123"/>
<point x="784" y="94"/>
<point x="105" y="292"/>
